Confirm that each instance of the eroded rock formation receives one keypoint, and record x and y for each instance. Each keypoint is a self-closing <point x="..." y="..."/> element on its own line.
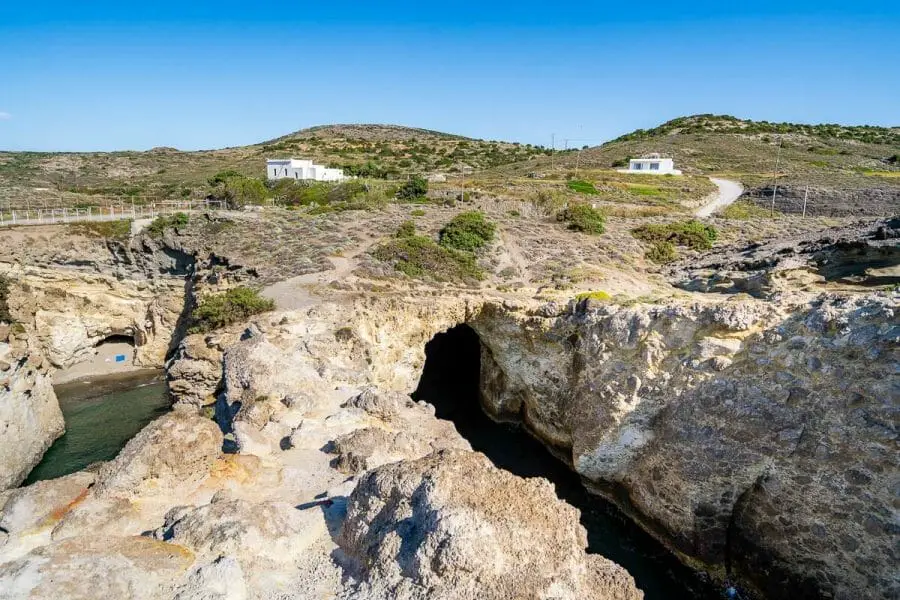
<point x="30" y="418"/>
<point x="734" y="431"/>
<point x="452" y="526"/>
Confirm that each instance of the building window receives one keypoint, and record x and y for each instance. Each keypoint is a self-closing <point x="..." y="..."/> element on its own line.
<point x="296" y="175"/>
<point x="285" y="170"/>
<point x="637" y="166"/>
<point x="654" y="166"/>
<point x="274" y="172"/>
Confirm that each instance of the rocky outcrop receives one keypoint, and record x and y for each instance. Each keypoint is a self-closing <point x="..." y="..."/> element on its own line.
<point x="70" y="313"/>
<point x="716" y="425"/>
<point x="452" y="526"/>
<point x="863" y="255"/>
<point x="30" y="418"/>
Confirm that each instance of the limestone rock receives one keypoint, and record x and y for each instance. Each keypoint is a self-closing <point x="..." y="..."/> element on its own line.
<point x="96" y="568"/>
<point x="43" y="503"/>
<point x="742" y="432"/>
<point x="370" y="447"/>
<point x="169" y="452"/>
<point x="271" y="531"/>
<point x="222" y="579"/>
<point x="451" y="526"/>
<point x="196" y="372"/>
<point x="382" y="405"/>
<point x="30" y="417"/>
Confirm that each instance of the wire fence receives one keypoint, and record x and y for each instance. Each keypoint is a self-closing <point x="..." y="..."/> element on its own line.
<point x="49" y="216"/>
<point x="826" y="201"/>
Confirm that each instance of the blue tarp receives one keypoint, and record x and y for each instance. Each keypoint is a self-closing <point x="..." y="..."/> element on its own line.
<point x="120" y="358"/>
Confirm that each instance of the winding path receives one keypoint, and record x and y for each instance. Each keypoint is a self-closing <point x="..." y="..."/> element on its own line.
<point x="729" y="191"/>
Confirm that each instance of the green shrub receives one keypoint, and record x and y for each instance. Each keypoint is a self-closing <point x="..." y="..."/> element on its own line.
<point x="662" y="253"/>
<point x="744" y="210"/>
<point x="406" y="229"/>
<point x="597" y="295"/>
<point x="236" y="189"/>
<point x="583" y="217"/>
<point x="468" y="231"/>
<point x="5" y="316"/>
<point x="692" y="234"/>
<point x="417" y="212"/>
<point x="158" y="227"/>
<point x="421" y="257"/>
<point x="413" y="189"/>
<point x="232" y="306"/>
<point x="548" y="201"/>
<point x="582" y="187"/>
<point x="112" y="230"/>
<point x="345" y="192"/>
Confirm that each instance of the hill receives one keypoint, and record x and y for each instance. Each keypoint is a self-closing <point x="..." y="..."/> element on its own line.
<point x="849" y="169"/>
<point x="388" y="151"/>
<point x="819" y="155"/>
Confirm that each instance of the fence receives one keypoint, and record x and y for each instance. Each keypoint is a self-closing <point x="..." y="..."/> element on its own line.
<point x="49" y="216"/>
<point x="815" y="201"/>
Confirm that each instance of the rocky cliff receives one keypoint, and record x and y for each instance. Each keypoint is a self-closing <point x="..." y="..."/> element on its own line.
<point x="734" y="431"/>
<point x="30" y="418"/>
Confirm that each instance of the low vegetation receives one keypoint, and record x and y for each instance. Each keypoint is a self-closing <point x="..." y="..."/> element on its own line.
<point x="452" y="258"/>
<point x="744" y="210"/>
<point x="416" y="188"/>
<point x="468" y="231"/>
<point x="728" y="124"/>
<point x="158" y="227"/>
<point x="237" y="190"/>
<point x="232" y="306"/>
<point x="584" y="218"/>
<point x="661" y="253"/>
<point x="5" y="316"/>
<point x="406" y="229"/>
<point x="596" y="296"/>
<point x="421" y="257"/>
<point x="582" y="187"/>
<point x="691" y="234"/>
<point x="111" y="230"/>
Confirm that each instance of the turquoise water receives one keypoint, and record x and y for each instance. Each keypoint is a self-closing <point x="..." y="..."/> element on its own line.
<point x="101" y="416"/>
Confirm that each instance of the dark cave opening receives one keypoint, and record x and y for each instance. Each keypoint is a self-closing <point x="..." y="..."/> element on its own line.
<point x="116" y="339"/>
<point x="450" y="382"/>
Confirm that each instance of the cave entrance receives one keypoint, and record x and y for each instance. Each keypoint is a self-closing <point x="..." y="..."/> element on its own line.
<point x="450" y="382"/>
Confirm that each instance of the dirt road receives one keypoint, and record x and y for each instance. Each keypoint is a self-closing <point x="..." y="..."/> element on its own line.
<point x="729" y="191"/>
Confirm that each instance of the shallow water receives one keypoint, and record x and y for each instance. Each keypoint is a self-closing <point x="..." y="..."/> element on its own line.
<point x="450" y="383"/>
<point x="101" y="416"/>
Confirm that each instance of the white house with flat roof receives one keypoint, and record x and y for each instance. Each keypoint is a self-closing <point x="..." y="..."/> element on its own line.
<point x="652" y="164"/>
<point x="301" y="170"/>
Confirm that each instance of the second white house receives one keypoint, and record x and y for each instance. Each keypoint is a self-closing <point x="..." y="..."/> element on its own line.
<point x="652" y="164"/>
<point x="301" y="170"/>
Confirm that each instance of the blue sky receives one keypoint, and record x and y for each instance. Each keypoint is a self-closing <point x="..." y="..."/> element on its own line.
<point x="125" y="75"/>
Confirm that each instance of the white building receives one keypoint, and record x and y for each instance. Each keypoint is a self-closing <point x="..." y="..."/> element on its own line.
<point x="652" y="164"/>
<point x="301" y="170"/>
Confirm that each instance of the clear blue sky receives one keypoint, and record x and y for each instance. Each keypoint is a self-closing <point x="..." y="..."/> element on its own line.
<point x="198" y="74"/>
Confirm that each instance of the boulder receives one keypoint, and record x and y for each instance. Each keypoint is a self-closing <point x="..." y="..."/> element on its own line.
<point x="175" y="450"/>
<point x="452" y="526"/>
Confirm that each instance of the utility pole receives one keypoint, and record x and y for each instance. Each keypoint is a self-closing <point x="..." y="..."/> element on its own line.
<point x="805" y="196"/>
<point x="775" y="186"/>
<point x="552" y="148"/>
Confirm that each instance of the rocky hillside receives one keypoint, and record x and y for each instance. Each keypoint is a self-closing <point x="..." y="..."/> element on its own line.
<point x="369" y="150"/>
<point x="841" y="164"/>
